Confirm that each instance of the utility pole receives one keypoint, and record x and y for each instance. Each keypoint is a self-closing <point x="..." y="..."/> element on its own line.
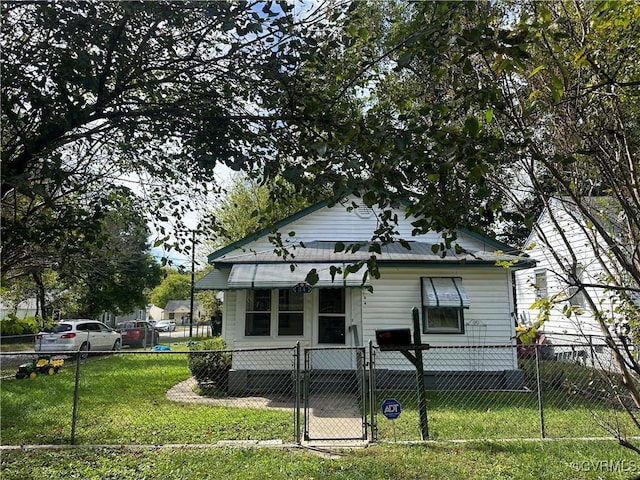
<point x="193" y="266"/>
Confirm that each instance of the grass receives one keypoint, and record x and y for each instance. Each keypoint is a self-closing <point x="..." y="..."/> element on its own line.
<point x="15" y="346"/>
<point x="130" y="391"/>
<point x="568" y="412"/>
<point x="501" y="415"/>
<point x="476" y="460"/>
<point x="122" y="399"/>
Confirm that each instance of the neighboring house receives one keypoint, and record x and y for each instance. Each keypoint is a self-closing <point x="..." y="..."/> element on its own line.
<point x="24" y="309"/>
<point x="463" y="298"/>
<point x="155" y="312"/>
<point x="112" y="319"/>
<point x="565" y="245"/>
<point x="179" y="311"/>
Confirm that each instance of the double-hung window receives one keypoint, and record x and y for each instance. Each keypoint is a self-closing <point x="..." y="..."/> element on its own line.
<point x="264" y="307"/>
<point x="576" y="295"/>
<point x="541" y="284"/>
<point x="290" y="313"/>
<point x="258" y="313"/>
<point x="443" y="302"/>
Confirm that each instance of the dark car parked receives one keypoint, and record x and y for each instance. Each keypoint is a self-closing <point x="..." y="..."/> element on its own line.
<point x="134" y="333"/>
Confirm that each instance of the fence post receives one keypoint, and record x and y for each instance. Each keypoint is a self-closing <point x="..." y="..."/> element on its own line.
<point x="372" y="394"/>
<point x="74" y="414"/>
<point x="539" y="386"/>
<point x="297" y="392"/>
<point x="422" y="400"/>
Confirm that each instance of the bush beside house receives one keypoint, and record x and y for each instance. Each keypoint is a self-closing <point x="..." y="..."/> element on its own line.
<point x="210" y="364"/>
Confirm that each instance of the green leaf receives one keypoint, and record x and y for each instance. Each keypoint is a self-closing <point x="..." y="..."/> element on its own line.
<point x="376" y="248"/>
<point x="536" y="70"/>
<point x="320" y="147"/>
<point x="339" y="247"/>
<point x="488" y="115"/>
<point x="467" y="68"/>
<point x="369" y="198"/>
<point x="472" y="126"/>
<point x="405" y="59"/>
<point x="312" y="277"/>
<point x="363" y="33"/>
<point x="557" y="89"/>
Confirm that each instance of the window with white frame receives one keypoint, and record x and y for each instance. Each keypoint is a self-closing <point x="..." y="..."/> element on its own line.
<point x="332" y="316"/>
<point x="290" y="313"/>
<point x="279" y="310"/>
<point x="443" y="302"/>
<point x="575" y="294"/>
<point x="258" y="313"/>
<point x="540" y="284"/>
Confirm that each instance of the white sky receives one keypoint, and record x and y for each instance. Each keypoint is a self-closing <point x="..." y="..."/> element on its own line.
<point x="223" y="175"/>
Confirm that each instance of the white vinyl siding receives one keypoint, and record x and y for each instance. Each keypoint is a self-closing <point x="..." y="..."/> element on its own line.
<point x="488" y="320"/>
<point x="337" y="224"/>
<point x="587" y="261"/>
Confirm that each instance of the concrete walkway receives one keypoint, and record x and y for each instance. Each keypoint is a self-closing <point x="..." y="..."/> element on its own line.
<point x="332" y="416"/>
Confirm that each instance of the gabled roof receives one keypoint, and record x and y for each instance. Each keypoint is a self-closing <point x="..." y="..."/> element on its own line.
<point x="173" y="305"/>
<point x="417" y="253"/>
<point x="490" y="243"/>
<point x="605" y="210"/>
<point x="265" y="231"/>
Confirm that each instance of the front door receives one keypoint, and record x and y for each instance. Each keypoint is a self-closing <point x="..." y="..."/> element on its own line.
<point x="331" y="330"/>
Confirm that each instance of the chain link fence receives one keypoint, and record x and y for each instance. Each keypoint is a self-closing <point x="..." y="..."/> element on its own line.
<point x="293" y="394"/>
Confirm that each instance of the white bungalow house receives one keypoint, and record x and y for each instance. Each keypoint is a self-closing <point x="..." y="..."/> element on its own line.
<point x="179" y="311"/>
<point x="464" y="297"/>
<point x="569" y="251"/>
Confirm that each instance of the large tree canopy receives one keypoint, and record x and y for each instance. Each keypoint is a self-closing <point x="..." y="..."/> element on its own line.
<point x="155" y="93"/>
<point x="107" y="267"/>
<point x="475" y="113"/>
<point x="250" y="207"/>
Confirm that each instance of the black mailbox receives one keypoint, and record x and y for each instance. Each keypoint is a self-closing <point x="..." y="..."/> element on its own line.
<point x="394" y="337"/>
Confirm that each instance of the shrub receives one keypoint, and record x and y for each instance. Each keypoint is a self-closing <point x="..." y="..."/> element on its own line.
<point x="12" y="325"/>
<point x="210" y="363"/>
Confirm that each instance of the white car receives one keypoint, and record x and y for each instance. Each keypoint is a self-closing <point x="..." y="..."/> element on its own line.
<point x="165" y="326"/>
<point x="78" y="335"/>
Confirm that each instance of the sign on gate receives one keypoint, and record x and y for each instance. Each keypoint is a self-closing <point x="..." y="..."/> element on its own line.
<point x="391" y="408"/>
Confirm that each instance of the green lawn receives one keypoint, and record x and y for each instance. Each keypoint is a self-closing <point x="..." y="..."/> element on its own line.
<point x="122" y="400"/>
<point x="502" y="415"/>
<point x="478" y="460"/>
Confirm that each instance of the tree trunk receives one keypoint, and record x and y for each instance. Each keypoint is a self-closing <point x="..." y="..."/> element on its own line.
<point x="37" y="278"/>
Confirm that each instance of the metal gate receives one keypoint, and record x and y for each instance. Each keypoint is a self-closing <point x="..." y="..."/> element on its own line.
<point x="335" y="393"/>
